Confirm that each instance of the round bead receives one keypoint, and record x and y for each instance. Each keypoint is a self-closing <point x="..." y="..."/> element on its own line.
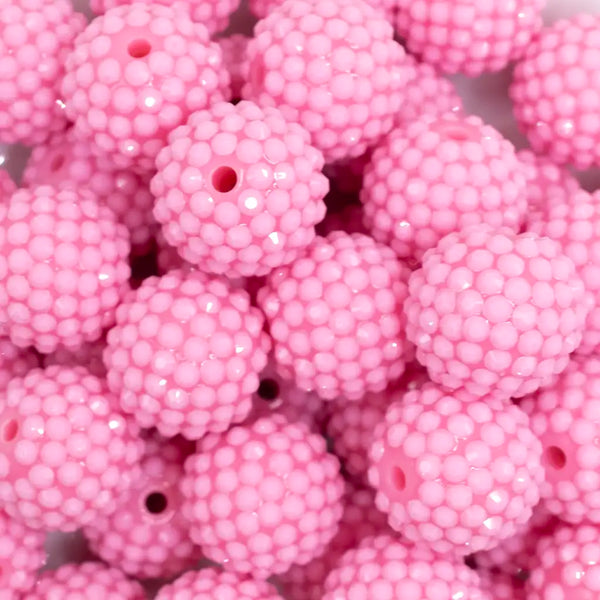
<point x="239" y="190"/>
<point x="35" y="38"/>
<point x="335" y="317"/>
<point x="235" y="59"/>
<point x="66" y="452"/>
<point x="136" y="73"/>
<point x="185" y="354"/>
<point x="333" y="66"/>
<point x="454" y="472"/>
<point x="263" y="496"/>
<point x="63" y="267"/>
<point x="556" y="92"/>
<point x="495" y="312"/>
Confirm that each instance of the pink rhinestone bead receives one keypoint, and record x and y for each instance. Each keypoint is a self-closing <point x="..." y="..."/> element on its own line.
<point x="35" y="37"/>
<point x="7" y="186"/>
<point x="66" y="453"/>
<point x="333" y="66"/>
<point x="469" y="36"/>
<point x="136" y="73"/>
<point x="235" y="59"/>
<point x="185" y="354"/>
<point x="212" y="584"/>
<point x="21" y="555"/>
<point x="495" y="312"/>
<point x="251" y="187"/>
<point x="64" y="161"/>
<point x="287" y="501"/>
<point x="335" y="317"/>
<point x="556" y="92"/>
<point x="439" y="175"/>
<point x="384" y="568"/>
<point x="63" y="264"/>
<point x="501" y="586"/>
<point x="90" y="580"/>
<point x="454" y="472"/>
<point x="15" y="361"/>
<point x="88" y="355"/>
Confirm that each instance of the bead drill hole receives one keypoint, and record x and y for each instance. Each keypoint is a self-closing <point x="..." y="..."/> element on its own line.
<point x="139" y="48"/>
<point x="398" y="479"/>
<point x="268" y="389"/>
<point x="10" y="430"/>
<point x="156" y="503"/>
<point x="557" y="459"/>
<point x="57" y="163"/>
<point x="224" y="179"/>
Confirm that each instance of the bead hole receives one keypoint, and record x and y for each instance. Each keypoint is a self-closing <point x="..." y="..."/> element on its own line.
<point x="57" y="162"/>
<point x="398" y="479"/>
<point x="156" y="503"/>
<point x="556" y="457"/>
<point x="139" y="48"/>
<point x="224" y="179"/>
<point x="268" y="389"/>
<point x="10" y="429"/>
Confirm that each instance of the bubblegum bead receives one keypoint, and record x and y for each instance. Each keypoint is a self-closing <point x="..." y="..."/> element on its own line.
<point x="89" y="580"/>
<point x="439" y="175"/>
<point x="467" y="36"/>
<point x="454" y="472"/>
<point x="185" y="354"/>
<point x="63" y="267"/>
<point x="235" y="59"/>
<point x="212" y="584"/>
<point x="66" y="451"/>
<point x="263" y="496"/>
<point x="556" y="91"/>
<point x="335" y="317"/>
<point x="239" y="190"/>
<point x="22" y="554"/>
<point x="384" y="568"/>
<point x="15" y="361"/>
<point x="333" y="66"/>
<point x="136" y="73"/>
<point x="7" y="186"/>
<point x="35" y="38"/>
<point x="88" y="355"/>
<point x="495" y="312"/>
<point x="64" y="161"/>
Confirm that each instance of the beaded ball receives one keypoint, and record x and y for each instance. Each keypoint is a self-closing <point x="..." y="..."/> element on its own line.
<point x="494" y="312"/>
<point x="234" y="48"/>
<point x="438" y="175"/>
<point x="556" y="91"/>
<point x="239" y="190"/>
<point x="333" y="66"/>
<point x="469" y="36"/>
<point x="263" y="496"/>
<point x="456" y="473"/>
<point x="35" y="38"/>
<point x="335" y="317"/>
<point x="185" y="354"/>
<point x="136" y="73"/>
<point x="63" y="267"/>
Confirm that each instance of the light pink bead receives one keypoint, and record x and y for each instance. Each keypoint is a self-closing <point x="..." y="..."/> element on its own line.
<point x="556" y="92"/>
<point x="185" y="354"/>
<point x="88" y="355"/>
<point x="136" y="73"/>
<point x="453" y="472"/>
<point x="235" y="59"/>
<point x="469" y="36"/>
<point x="384" y="568"/>
<point x="35" y="38"/>
<point x="64" y="161"/>
<point x="439" y="175"/>
<point x="501" y="586"/>
<point x="239" y="190"/>
<point x="349" y="219"/>
<point x="263" y="496"/>
<point x="335" y="317"/>
<point x="495" y="312"/>
<point x="89" y="581"/>
<point x="7" y="186"/>
<point x="21" y="555"/>
<point x="63" y="267"/>
<point x="333" y="66"/>
<point x="66" y="453"/>
<point x="212" y="584"/>
<point x="15" y="361"/>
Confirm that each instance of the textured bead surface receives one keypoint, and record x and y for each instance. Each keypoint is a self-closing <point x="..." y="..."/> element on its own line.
<point x="556" y="92"/>
<point x="439" y="175"/>
<point x="89" y="581"/>
<point x="495" y="312"/>
<point x="263" y="496"/>
<point x="235" y="59"/>
<point x="239" y="190"/>
<point x="63" y="267"/>
<point x="384" y="568"/>
<point x="211" y="584"/>
<point x="35" y="38"/>
<point x="15" y="361"/>
<point x="185" y="354"/>
<point x="136" y="73"/>
<point x="456" y="473"/>
<point x="335" y="316"/>
<point x="469" y="36"/>
<point x="332" y="66"/>
<point x="261" y="8"/>
<point x="66" y="451"/>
